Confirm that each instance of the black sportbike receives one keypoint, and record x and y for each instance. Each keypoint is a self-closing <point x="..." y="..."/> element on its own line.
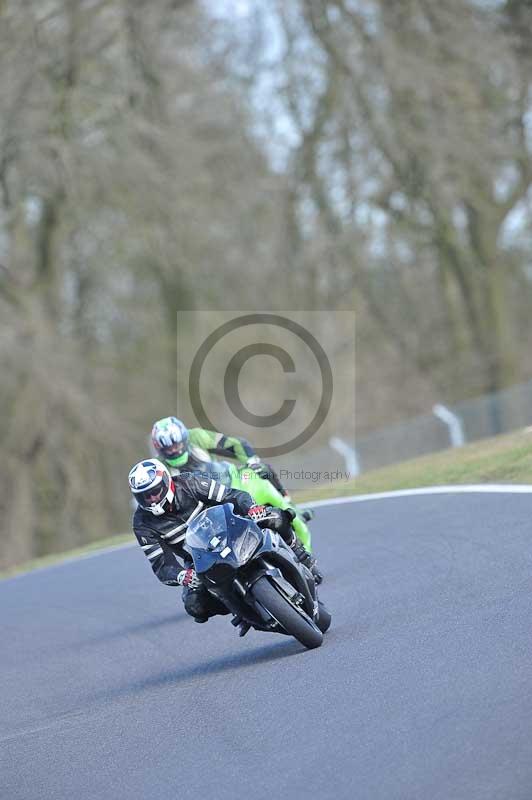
<point x="256" y="576"/>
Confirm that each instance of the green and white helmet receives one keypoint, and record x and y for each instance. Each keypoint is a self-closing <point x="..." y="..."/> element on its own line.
<point x="171" y="441"/>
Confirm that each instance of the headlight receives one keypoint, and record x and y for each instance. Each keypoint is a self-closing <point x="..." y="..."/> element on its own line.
<point x="246" y="545"/>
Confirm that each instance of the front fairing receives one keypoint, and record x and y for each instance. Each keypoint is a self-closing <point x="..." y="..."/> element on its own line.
<point x="219" y="536"/>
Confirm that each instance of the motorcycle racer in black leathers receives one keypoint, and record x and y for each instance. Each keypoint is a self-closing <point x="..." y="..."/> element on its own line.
<point x="167" y="505"/>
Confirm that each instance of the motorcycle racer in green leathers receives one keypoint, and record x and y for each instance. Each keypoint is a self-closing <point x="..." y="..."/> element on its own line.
<point x="180" y="448"/>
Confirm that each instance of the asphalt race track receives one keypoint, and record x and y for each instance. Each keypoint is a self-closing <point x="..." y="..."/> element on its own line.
<point x="422" y="688"/>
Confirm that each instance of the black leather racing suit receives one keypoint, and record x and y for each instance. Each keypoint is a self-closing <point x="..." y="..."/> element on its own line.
<point x="162" y="537"/>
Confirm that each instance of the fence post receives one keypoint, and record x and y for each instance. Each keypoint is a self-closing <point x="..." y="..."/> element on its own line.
<point x="349" y="453"/>
<point x="453" y="422"/>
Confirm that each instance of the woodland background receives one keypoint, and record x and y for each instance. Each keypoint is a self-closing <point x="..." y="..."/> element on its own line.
<point x="276" y="154"/>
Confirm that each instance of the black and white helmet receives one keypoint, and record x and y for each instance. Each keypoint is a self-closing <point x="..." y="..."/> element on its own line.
<point x="152" y="486"/>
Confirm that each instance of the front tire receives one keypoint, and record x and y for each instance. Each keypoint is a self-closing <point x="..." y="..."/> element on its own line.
<point x="296" y="623"/>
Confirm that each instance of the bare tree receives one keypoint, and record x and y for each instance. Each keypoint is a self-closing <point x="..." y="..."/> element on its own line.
<point x="123" y="164"/>
<point x="411" y="165"/>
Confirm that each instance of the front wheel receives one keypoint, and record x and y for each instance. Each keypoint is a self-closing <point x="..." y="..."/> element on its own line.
<point x="295" y="622"/>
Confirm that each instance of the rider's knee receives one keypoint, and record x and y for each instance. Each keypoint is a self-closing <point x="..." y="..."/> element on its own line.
<point x="201" y="605"/>
<point x="195" y="602"/>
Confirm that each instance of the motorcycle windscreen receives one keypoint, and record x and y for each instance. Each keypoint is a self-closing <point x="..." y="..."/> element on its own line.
<point x="218" y="535"/>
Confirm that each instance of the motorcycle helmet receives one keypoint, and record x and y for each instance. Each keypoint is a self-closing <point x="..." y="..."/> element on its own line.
<point x="152" y="486"/>
<point x="170" y="439"/>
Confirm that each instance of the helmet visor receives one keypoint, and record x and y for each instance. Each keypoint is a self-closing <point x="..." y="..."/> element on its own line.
<point x="152" y="497"/>
<point x="174" y="450"/>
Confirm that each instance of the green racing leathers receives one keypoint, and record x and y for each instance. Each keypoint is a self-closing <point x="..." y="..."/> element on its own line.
<point x="204" y="443"/>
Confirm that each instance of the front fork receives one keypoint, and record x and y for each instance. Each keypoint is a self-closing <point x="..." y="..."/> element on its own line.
<point x="301" y="587"/>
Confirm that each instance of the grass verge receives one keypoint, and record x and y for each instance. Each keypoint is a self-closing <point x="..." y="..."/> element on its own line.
<point x="502" y="459"/>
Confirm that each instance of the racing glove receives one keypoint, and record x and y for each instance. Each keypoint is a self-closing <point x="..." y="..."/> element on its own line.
<point x="262" y="470"/>
<point x="188" y="578"/>
<point x="259" y="513"/>
<point x="275" y="518"/>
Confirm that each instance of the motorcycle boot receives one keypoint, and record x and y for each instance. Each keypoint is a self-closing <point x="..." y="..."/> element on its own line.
<point x="307" y="514"/>
<point x="306" y="558"/>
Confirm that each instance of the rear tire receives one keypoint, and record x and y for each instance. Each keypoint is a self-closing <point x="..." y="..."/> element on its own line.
<point x="324" y="618"/>
<point x="299" y="626"/>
